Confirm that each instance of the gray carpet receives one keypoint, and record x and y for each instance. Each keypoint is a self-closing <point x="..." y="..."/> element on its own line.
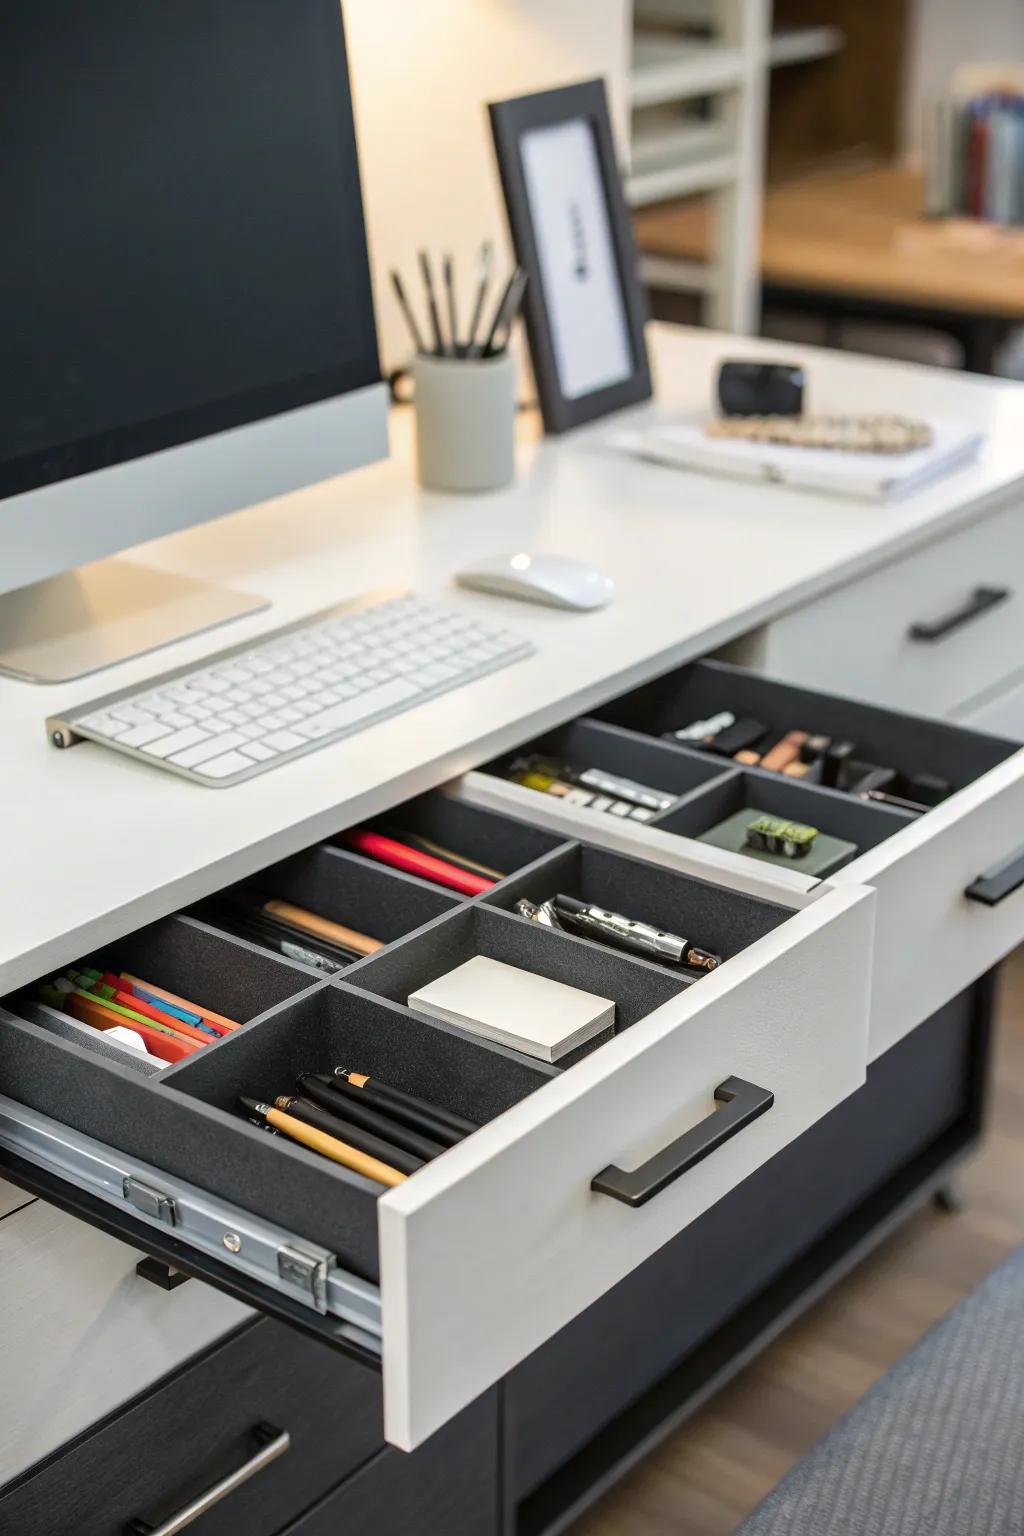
<point x="936" y="1448"/>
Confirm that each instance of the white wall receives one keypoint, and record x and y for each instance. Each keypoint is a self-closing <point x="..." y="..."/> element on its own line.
<point x="422" y="72"/>
<point x="946" y="33"/>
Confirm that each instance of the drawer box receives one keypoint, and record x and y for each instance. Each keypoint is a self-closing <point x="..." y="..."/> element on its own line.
<point x="276" y="1412"/>
<point x="457" y="1274"/>
<point x="871" y="638"/>
<point x="931" y="941"/>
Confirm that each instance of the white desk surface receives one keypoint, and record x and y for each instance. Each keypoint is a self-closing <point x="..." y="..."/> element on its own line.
<point x="94" y="845"/>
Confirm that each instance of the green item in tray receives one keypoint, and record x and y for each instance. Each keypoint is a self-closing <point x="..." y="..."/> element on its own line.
<point x="824" y="854"/>
<point x="774" y="834"/>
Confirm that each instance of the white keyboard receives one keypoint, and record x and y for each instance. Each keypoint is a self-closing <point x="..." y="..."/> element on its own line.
<point x="252" y="707"/>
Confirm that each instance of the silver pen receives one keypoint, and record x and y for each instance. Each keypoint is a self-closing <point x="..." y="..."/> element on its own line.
<point x="629" y="933"/>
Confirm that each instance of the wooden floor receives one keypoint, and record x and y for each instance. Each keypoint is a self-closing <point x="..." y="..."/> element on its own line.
<point x="710" y="1474"/>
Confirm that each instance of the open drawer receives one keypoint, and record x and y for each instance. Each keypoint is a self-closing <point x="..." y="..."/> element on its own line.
<point x="574" y="1176"/>
<point x="950" y="882"/>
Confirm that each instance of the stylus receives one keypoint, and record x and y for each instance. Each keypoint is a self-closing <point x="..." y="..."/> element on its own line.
<point x="348" y="1131"/>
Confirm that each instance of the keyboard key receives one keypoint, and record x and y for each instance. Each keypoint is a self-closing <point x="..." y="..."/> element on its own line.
<point x="142" y="735"/>
<point x="258" y="751"/>
<point x="131" y="714"/>
<point x="177" y="741"/>
<point x="224" y="767"/>
<point x="284" y="741"/>
<point x="351" y="710"/>
<point x="105" y="725"/>
<point x="204" y="751"/>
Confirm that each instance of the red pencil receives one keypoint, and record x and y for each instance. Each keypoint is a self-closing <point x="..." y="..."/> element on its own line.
<point x="387" y="851"/>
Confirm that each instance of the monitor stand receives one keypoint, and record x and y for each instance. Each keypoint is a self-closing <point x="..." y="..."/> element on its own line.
<point x="100" y="614"/>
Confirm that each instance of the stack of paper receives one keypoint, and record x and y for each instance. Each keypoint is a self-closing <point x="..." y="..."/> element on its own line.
<point x="512" y="1007"/>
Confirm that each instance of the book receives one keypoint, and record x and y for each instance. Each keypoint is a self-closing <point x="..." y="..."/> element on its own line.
<point x="503" y="1003"/>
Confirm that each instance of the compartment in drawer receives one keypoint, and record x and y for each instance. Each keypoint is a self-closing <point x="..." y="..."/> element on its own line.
<point x="191" y="961"/>
<point x="591" y="744"/>
<point x="499" y="844"/>
<point x="722" y="921"/>
<point x="744" y="795"/>
<point x="636" y="987"/>
<point x="384" y="904"/>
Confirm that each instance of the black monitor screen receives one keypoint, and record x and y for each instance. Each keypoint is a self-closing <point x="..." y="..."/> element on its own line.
<point x="182" y="245"/>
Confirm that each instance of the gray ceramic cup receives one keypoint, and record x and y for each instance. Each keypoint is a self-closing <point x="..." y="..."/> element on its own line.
<point x="465" y="422"/>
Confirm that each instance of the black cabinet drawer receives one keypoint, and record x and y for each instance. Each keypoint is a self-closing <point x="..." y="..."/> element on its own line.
<point x="593" y="1369"/>
<point x="449" y="1487"/>
<point x="202" y="1425"/>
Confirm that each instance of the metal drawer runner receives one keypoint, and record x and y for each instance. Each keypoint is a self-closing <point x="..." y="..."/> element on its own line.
<point x="277" y="1258"/>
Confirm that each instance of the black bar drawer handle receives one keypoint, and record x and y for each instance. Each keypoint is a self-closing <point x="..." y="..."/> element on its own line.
<point x="979" y="602"/>
<point x="742" y="1102"/>
<point x="998" y="882"/>
<point x="272" y="1443"/>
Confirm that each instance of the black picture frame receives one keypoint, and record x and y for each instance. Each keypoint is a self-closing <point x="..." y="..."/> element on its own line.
<point x="511" y="120"/>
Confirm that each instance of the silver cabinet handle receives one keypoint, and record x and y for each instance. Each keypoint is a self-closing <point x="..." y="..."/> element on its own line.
<point x="272" y="1444"/>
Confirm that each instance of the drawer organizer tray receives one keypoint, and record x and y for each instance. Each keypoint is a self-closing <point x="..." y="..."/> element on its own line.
<point x="950" y="882"/>
<point x="460" y="1272"/>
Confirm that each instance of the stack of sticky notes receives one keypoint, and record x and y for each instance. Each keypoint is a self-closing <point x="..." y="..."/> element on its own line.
<point x="517" y="1008"/>
<point x="134" y="1012"/>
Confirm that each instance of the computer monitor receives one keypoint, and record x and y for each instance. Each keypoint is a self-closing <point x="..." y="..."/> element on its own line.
<point x="186" y="319"/>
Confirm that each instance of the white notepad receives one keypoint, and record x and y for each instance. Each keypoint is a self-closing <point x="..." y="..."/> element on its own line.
<point x="684" y="444"/>
<point x="512" y="1007"/>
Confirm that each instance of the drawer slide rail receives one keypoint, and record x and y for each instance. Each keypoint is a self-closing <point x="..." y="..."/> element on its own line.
<point x="277" y="1258"/>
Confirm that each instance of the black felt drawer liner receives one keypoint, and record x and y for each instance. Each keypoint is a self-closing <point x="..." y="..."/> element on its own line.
<point x="909" y="743"/>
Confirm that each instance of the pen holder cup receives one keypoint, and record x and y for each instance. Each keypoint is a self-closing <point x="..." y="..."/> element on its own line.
<point x="465" y="422"/>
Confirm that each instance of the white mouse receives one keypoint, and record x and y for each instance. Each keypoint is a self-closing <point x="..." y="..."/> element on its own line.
<point x="552" y="579"/>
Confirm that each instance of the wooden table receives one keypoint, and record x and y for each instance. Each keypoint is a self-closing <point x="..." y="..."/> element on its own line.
<point x="854" y="243"/>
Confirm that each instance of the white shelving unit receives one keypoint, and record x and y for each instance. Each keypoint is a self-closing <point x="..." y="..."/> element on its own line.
<point x="698" y="127"/>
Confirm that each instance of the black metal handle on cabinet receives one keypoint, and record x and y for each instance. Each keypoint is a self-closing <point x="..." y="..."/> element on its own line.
<point x="741" y="1103"/>
<point x="998" y="882"/>
<point x="979" y="602"/>
<point x="271" y="1443"/>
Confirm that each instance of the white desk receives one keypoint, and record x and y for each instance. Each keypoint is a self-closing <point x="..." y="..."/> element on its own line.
<point x="94" y="845"/>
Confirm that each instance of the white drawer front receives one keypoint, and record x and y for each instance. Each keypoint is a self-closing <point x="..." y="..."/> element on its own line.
<point x="494" y="1247"/>
<point x="80" y="1332"/>
<point x="857" y="641"/>
<point x="931" y="941"/>
<point x="1002" y="715"/>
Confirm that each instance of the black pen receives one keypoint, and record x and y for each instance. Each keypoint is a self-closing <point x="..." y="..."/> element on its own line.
<point x="328" y="1094"/>
<point x="435" y="319"/>
<point x="506" y="313"/>
<point x="347" y="1131"/>
<point x="448" y="268"/>
<point x="486" y="258"/>
<point x="427" y="1118"/>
